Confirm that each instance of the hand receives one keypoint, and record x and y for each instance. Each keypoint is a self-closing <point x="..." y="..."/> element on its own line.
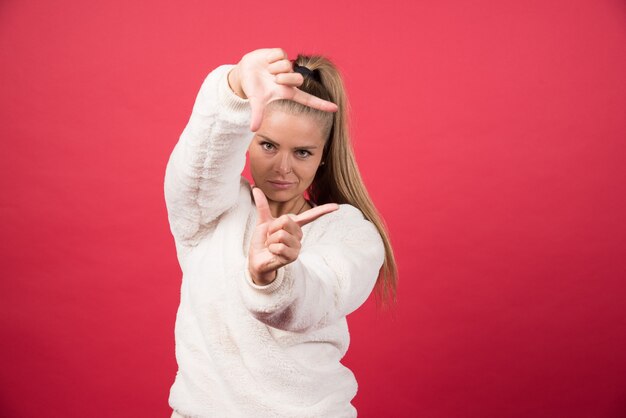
<point x="276" y="241"/>
<point x="265" y="75"/>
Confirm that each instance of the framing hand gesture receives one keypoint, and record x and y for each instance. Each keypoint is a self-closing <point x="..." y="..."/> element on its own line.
<point x="265" y="75"/>
<point x="276" y="241"/>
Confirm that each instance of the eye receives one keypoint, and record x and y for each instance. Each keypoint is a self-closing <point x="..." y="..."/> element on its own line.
<point x="267" y="146"/>
<point x="302" y="153"/>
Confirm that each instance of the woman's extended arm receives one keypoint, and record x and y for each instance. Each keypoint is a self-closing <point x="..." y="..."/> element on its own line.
<point x="332" y="276"/>
<point x="276" y="242"/>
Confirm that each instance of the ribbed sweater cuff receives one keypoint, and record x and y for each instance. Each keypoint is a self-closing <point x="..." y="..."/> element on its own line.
<point x="269" y="288"/>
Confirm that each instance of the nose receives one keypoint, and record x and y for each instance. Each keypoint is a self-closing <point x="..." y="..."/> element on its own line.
<point x="284" y="163"/>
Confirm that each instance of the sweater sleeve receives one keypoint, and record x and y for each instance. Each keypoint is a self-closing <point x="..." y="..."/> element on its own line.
<point x="203" y="171"/>
<point x="331" y="278"/>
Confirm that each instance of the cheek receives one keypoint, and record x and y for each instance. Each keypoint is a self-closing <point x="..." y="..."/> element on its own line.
<point x="308" y="171"/>
<point x="255" y="160"/>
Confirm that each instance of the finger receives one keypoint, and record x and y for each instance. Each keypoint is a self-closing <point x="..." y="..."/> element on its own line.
<point x="313" y="101"/>
<point x="265" y="262"/>
<point x="275" y="54"/>
<point x="285" y="253"/>
<point x="256" y="106"/>
<point x="262" y="207"/>
<point x="312" y="214"/>
<point x="274" y="264"/>
<point x="283" y="237"/>
<point x="289" y="79"/>
<point x="282" y="66"/>
<point x="287" y="223"/>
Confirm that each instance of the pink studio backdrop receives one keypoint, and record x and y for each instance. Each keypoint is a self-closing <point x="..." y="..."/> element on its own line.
<point x="491" y="135"/>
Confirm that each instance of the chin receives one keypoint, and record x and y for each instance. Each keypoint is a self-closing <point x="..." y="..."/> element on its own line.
<point x="279" y="195"/>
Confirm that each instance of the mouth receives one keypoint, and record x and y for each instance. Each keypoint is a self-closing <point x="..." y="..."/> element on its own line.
<point x="280" y="185"/>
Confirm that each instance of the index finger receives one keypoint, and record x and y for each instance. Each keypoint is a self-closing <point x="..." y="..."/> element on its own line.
<point x="313" y="101"/>
<point x="314" y="213"/>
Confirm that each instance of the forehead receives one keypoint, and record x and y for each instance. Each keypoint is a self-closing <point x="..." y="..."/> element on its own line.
<point x="290" y="129"/>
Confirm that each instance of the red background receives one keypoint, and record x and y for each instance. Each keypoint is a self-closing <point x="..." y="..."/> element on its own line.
<point x="490" y="134"/>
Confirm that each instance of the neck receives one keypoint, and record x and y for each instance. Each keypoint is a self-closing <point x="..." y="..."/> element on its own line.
<point x="294" y="206"/>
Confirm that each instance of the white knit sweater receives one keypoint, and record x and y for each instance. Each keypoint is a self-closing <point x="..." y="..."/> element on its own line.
<point x="245" y="350"/>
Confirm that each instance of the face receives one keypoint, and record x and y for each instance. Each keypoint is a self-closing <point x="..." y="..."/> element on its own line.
<point x="285" y="154"/>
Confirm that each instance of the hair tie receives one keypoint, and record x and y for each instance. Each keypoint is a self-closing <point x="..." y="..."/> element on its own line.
<point x="307" y="72"/>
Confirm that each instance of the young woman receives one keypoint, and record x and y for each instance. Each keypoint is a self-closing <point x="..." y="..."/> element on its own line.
<point x="270" y="272"/>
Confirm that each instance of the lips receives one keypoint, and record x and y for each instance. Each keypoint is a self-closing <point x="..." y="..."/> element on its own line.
<point x="280" y="184"/>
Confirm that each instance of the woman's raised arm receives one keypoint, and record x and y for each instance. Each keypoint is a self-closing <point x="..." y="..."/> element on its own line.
<point x="202" y="177"/>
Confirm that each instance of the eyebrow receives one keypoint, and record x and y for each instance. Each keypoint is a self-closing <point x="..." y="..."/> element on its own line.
<point x="305" y="147"/>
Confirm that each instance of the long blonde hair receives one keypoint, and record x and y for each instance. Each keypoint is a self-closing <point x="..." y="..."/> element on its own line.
<point x="338" y="180"/>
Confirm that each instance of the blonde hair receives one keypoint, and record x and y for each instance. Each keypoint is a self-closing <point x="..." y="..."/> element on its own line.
<point x="338" y="180"/>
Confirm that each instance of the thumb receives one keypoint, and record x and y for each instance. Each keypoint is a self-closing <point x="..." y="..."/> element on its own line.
<point x="262" y="207"/>
<point x="257" y="113"/>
